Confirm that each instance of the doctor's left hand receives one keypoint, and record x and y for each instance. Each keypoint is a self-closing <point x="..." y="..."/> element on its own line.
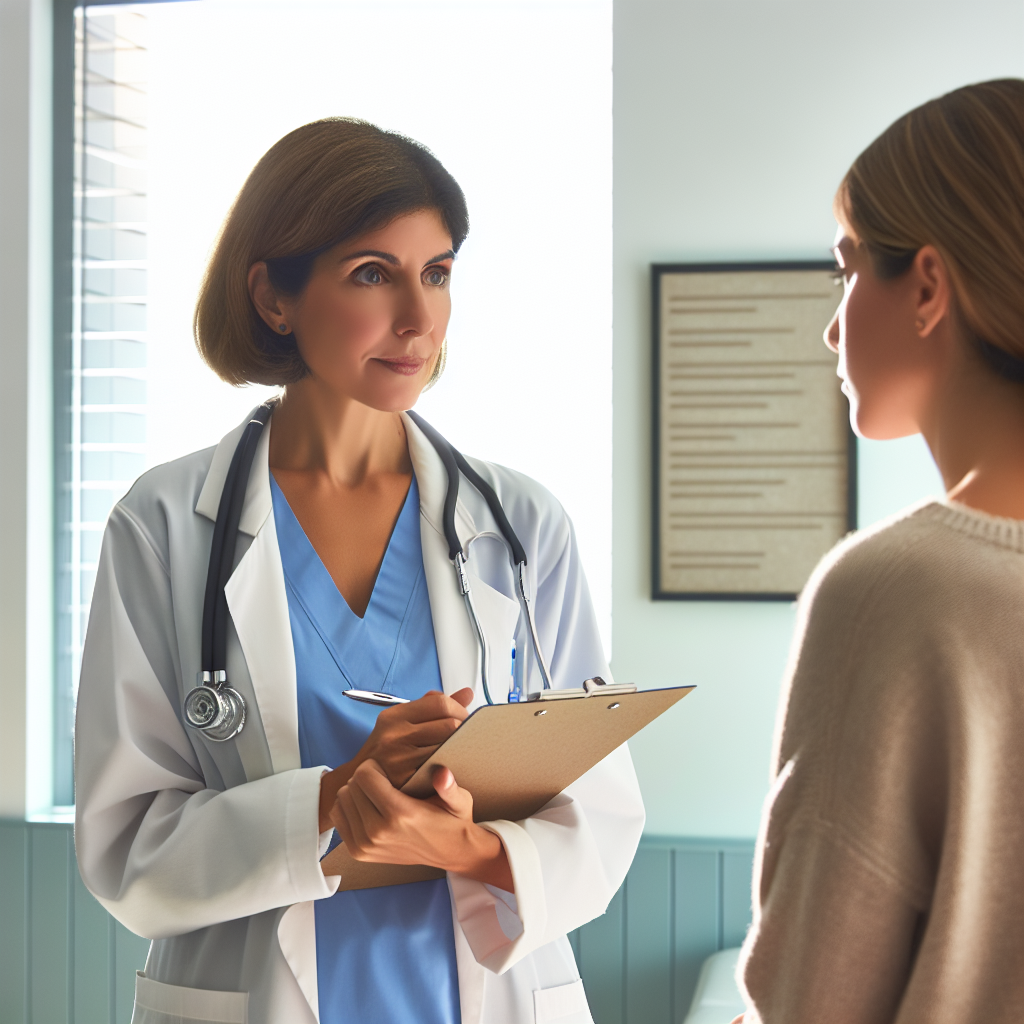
<point x="379" y="823"/>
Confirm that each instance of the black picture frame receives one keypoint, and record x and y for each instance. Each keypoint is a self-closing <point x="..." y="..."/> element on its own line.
<point x="658" y="270"/>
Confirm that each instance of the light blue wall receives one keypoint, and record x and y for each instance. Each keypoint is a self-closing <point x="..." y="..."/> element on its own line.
<point x="894" y="474"/>
<point x="734" y="121"/>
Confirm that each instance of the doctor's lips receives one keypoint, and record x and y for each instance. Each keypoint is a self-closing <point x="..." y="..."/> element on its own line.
<point x="408" y="366"/>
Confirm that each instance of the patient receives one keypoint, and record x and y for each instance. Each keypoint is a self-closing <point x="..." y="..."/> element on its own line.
<point x="889" y="880"/>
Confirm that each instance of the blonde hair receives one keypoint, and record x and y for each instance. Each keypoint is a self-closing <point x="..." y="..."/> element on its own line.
<point x="322" y="183"/>
<point x="951" y="174"/>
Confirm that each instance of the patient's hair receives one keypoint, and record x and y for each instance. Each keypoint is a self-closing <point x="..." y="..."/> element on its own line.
<point x="321" y="184"/>
<point x="951" y="174"/>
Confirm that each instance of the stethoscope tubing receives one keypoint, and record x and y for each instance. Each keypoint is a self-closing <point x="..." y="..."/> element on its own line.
<point x="455" y="463"/>
<point x="222" y="554"/>
<point x="217" y="710"/>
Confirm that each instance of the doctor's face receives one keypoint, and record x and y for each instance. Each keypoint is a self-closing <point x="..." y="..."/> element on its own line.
<point x="372" y="318"/>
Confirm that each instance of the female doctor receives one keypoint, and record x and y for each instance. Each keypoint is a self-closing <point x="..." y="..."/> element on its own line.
<point x="331" y="278"/>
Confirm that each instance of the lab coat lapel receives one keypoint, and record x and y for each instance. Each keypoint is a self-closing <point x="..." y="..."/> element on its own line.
<point x="258" y="605"/>
<point x="457" y="648"/>
<point x="257" y="504"/>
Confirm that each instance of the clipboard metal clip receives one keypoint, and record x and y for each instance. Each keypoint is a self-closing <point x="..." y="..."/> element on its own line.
<point x="595" y="687"/>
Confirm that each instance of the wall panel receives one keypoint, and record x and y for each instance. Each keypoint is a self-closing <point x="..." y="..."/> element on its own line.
<point x="697" y="908"/>
<point x="94" y="929"/>
<point x="683" y="900"/>
<point x="51" y="923"/>
<point x="649" y="922"/>
<point x="14" y="912"/>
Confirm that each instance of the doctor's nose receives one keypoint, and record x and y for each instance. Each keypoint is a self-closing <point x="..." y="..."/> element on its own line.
<point x="414" y="318"/>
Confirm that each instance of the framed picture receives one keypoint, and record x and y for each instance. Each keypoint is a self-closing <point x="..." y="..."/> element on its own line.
<point x="754" y="459"/>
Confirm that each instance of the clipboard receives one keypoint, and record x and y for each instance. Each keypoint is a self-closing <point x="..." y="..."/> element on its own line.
<point x="514" y="759"/>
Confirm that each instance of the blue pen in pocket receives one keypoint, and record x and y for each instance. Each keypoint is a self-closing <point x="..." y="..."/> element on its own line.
<point x="514" y="693"/>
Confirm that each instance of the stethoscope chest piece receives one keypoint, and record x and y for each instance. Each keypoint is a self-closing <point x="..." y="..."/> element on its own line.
<point x="214" y="708"/>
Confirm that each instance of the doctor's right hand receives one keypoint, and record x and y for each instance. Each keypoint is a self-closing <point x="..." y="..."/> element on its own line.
<point x="402" y="739"/>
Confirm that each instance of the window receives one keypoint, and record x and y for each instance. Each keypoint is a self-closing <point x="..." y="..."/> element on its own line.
<point x="179" y="100"/>
<point x="103" y="386"/>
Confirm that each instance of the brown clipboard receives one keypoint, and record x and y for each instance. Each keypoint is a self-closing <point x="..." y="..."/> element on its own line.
<point x="515" y="758"/>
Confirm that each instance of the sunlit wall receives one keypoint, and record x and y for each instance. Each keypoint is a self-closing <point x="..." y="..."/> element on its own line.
<point x="514" y="97"/>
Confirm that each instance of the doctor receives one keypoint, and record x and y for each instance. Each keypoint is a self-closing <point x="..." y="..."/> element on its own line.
<point x="331" y="278"/>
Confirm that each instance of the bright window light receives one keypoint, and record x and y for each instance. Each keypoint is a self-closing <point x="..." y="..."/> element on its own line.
<point x="514" y="97"/>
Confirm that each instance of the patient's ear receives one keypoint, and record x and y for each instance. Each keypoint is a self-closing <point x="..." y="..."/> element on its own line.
<point x="932" y="289"/>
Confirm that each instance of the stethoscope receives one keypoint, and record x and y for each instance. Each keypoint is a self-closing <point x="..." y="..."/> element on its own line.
<point x="215" y="708"/>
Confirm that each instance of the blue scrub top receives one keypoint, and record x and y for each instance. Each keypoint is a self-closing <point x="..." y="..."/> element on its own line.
<point x="383" y="955"/>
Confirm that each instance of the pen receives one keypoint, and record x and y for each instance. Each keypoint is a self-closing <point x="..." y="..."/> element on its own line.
<point x="384" y="700"/>
<point x="514" y="693"/>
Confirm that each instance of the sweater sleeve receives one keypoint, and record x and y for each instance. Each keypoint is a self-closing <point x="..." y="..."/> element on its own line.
<point x="165" y="849"/>
<point x="850" y="835"/>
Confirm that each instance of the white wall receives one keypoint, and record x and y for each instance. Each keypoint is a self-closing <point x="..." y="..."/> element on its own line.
<point x="734" y="121"/>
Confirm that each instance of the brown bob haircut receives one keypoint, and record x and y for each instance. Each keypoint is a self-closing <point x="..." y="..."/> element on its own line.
<point x="321" y="184"/>
<point x="951" y="174"/>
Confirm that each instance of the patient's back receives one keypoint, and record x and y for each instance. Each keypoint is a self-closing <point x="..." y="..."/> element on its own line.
<point x="893" y="869"/>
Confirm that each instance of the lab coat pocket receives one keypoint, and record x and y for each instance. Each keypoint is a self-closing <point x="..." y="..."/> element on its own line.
<point x="498" y="615"/>
<point x="563" y="1004"/>
<point x="157" y="1003"/>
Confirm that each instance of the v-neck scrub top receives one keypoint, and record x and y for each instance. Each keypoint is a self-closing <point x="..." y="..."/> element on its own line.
<point x="384" y="955"/>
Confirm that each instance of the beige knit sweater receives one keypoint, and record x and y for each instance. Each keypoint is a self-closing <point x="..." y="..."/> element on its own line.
<point x="889" y="880"/>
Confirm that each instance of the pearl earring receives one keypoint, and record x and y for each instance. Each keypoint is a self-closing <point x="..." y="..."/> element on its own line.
<point x="283" y="328"/>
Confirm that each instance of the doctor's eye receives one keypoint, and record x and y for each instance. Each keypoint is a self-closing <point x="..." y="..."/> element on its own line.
<point x="370" y="273"/>
<point x="436" y="277"/>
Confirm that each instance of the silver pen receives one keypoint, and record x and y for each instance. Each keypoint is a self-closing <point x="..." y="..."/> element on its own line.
<point x="384" y="700"/>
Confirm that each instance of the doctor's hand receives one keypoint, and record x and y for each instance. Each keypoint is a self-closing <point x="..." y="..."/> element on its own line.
<point x="403" y="737"/>
<point x="378" y="823"/>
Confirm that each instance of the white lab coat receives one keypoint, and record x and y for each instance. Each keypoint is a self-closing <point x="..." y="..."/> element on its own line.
<point x="212" y="849"/>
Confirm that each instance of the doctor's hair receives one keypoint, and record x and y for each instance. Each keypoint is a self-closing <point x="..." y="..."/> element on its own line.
<point x="321" y="184"/>
<point x="951" y="174"/>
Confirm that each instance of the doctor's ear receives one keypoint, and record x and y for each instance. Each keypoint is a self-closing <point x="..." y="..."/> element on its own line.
<point x="266" y="300"/>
